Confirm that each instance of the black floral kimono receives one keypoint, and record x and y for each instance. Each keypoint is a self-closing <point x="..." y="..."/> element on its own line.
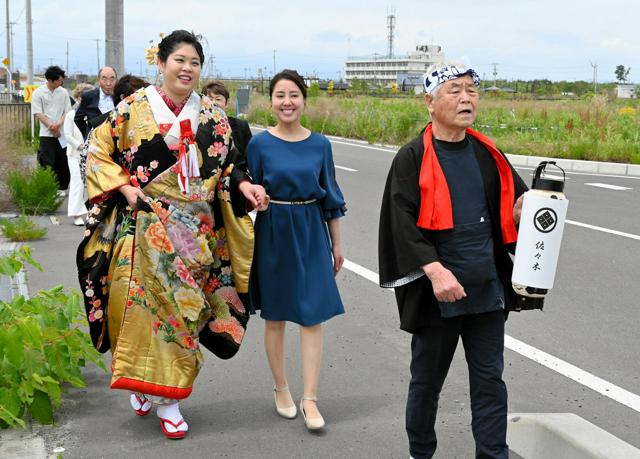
<point x="160" y="281"/>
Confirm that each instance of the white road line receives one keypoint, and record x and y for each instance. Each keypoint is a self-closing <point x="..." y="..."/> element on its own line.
<point x="566" y="369"/>
<point x="362" y="271"/>
<point x="585" y="378"/>
<point x="609" y="187"/>
<point x="363" y="146"/>
<point x="604" y="230"/>
<point x="345" y="168"/>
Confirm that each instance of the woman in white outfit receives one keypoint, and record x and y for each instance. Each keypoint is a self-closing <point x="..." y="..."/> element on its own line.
<point x="75" y="141"/>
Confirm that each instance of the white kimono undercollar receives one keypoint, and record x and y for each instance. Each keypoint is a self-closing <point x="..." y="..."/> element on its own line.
<point x="163" y="115"/>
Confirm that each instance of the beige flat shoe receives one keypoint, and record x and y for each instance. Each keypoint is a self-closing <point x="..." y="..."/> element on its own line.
<point x="311" y="423"/>
<point x="289" y="412"/>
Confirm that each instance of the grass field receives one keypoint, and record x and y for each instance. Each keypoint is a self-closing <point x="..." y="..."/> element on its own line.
<point x="597" y="129"/>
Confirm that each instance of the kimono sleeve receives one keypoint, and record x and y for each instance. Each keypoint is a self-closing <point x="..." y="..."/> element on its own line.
<point x="403" y="248"/>
<point x="333" y="203"/>
<point x="103" y="174"/>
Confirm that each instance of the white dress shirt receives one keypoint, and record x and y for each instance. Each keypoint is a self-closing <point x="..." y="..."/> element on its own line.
<point x="105" y="103"/>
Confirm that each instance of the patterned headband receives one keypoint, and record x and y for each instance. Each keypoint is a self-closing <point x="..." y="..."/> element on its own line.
<point x="450" y="72"/>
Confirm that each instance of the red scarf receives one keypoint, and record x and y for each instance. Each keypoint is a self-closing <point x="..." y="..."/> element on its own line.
<point x="435" y="201"/>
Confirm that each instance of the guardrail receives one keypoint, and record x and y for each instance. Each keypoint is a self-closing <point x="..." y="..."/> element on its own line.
<point x="15" y="118"/>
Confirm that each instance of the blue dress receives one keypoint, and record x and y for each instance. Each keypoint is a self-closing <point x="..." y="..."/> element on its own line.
<point x="292" y="275"/>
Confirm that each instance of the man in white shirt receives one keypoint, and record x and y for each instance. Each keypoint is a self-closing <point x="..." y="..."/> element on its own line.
<point x="96" y="102"/>
<point x="49" y="103"/>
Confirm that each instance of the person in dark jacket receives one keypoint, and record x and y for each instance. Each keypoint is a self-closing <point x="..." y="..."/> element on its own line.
<point x="240" y="131"/>
<point x="448" y="221"/>
<point x="95" y="104"/>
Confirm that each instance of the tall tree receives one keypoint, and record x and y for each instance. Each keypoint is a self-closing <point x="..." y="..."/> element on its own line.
<point x="622" y="73"/>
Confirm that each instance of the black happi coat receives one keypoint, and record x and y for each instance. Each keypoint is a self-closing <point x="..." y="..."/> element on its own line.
<point x="403" y="247"/>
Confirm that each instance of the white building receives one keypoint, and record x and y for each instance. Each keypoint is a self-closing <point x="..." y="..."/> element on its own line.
<point x="383" y="71"/>
<point x="626" y="91"/>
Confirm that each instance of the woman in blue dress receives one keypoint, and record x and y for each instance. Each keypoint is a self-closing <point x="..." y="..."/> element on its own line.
<point x="297" y="249"/>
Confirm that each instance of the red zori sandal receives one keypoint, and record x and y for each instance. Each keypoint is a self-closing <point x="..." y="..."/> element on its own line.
<point x="141" y="405"/>
<point x="178" y="434"/>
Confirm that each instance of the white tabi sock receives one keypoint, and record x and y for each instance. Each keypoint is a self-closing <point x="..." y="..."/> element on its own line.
<point x="172" y="413"/>
<point x="136" y="405"/>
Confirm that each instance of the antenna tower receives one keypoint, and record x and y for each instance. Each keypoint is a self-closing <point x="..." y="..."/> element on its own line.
<point x="391" y="25"/>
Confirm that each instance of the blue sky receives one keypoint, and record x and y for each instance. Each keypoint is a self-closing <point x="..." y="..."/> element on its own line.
<point x="554" y="39"/>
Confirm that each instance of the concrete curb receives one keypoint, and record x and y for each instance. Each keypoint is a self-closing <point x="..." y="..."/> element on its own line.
<point x="577" y="165"/>
<point x="563" y="435"/>
<point x="21" y="444"/>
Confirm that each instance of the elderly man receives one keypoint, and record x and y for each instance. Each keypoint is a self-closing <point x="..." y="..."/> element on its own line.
<point x="447" y="224"/>
<point x="95" y="104"/>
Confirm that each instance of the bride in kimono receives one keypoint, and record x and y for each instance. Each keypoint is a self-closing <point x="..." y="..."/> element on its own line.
<point x="168" y="243"/>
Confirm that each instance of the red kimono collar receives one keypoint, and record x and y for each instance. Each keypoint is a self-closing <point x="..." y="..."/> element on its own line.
<point x="435" y="201"/>
<point x="175" y="108"/>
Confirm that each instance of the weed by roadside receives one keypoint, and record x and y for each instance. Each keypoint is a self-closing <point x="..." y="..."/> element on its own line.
<point x="21" y="229"/>
<point x="42" y="347"/>
<point x="596" y="129"/>
<point x="34" y="192"/>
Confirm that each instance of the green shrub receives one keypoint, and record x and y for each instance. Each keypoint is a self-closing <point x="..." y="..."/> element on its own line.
<point x="22" y="229"/>
<point x="41" y="347"/>
<point x="35" y="192"/>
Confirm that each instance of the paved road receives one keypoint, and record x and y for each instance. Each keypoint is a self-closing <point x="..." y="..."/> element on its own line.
<point x="590" y="321"/>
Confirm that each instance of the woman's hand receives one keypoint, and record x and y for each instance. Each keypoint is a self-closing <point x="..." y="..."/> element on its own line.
<point x="338" y="258"/>
<point x="255" y="194"/>
<point x="131" y="194"/>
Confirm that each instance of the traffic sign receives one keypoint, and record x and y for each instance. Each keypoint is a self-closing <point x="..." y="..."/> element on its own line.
<point x="28" y="92"/>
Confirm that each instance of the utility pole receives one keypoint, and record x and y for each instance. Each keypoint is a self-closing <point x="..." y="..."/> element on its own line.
<point x="114" y="35"/>
<point x="210" y="70"/>
<point x="8" y="32"/>
<point x="29" y="43"/>
<point x="495" y="73"/>
<point x="11" y="24"/>
<point x="98" y="54"/>
<point x="595" y="77"/>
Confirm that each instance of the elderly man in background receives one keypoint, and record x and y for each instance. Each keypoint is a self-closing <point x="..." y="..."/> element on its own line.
<point x="49" y="103"/>
<point x="97" y="103"/>
<point x="447" y="224"/>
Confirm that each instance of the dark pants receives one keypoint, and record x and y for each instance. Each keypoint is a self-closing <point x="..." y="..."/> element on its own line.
<point x="52" y="155"/>
<point x="432" y="349"/>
